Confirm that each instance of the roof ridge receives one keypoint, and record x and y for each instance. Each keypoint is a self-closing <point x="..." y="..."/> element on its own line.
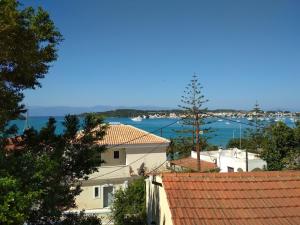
<point x="238" y="198"/>
<point x="242" y="207"/>
<point x="147" y="133"/>
<point x="236" y="181"/>
<point x="186" y="216"/>
<point x="235" y="175"/>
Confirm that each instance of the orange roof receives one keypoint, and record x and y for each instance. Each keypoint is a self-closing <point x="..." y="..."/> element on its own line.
<point x="191" y="163"/>
<point x="126" y="134"/>
<point x="234" y="198"/>
<point x="14" y="143"/>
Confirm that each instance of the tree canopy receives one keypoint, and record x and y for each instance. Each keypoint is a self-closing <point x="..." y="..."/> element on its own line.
<point x="279" y="145"/>
<point x="28" y="43"/>
<point x="195" y="132"/>
<point x="129" y="207"/>
<point x="41" y="171"/>
<point x="44" y="176"/>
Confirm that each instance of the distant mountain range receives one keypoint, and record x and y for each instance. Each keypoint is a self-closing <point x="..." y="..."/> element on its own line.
<point x="63" y="110"/>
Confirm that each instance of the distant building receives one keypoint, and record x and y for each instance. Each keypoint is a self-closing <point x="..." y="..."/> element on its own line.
<point x="129" y="150"/>
<point x="231" y="160"/>
<point x="190" y="164"/>
<point x="223" y="198"/>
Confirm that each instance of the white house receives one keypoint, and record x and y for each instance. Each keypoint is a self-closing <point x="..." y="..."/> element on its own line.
<point x="232" y="160"/>
<point x="129" y="148"/>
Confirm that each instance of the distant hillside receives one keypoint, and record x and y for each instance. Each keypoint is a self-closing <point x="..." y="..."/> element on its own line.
<point x="109" y="111"/>
<point x="63" y="110"/>
<point x="134" y="112"/>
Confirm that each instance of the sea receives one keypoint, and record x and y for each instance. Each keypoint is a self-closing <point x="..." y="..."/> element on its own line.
<point x="222" y="129"/>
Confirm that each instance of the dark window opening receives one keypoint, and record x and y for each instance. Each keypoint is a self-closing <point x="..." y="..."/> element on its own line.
<point x="116" y="154"/>
<point x="96" y="192"/>
<point x="230" y="169"/>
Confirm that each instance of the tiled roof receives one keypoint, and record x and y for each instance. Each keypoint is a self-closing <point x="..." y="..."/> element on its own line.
<point x="14" y="143"/>
<point x="191" y="163"/>
<point x="234" y="198"/>
<point x="126" y="134"/>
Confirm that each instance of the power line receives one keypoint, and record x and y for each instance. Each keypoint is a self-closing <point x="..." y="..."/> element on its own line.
<point x="144" y="135"/>
<point x="111" y="220"/>
<point x="152" y="150"/>
<point x="126" y="142"/>
<point x="153" y="132"/>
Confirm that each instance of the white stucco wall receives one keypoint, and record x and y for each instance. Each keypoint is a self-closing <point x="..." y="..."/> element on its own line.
<point x="108" y="157"/>
<point x="158" y="209"/>
<point x="86" y="199"/>
<point x="233" y="158"/>
<point x="151" y="155"/>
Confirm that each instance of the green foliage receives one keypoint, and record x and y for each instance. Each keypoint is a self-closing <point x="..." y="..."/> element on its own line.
<point x="52" y="165"/>
<point x="245" y="143"/>
<point x="28" y="43"/>
<point x="194" y="112"/>
<point x="135" y="112"/>
<point x="129" y="207"/>
<point x="80" y="219"/>
<point x="14" y="202"/>
<point x="279" y="145"/>
<point x="41" y="180"/>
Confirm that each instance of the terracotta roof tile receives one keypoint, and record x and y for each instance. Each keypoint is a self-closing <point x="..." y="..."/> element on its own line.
<point x="234" y="198"/>
<point x="191" y="163"/>
<point x="14" y="144"/>
<point x="127" y="134"/>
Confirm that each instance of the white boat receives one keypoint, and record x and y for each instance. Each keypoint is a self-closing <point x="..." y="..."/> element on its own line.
<point x="137" y="119"/>
<point x="220" y="120"/>
<point x="278" y="119"/>
<point x="227" y="123"/>
<point x="250" y="118"/>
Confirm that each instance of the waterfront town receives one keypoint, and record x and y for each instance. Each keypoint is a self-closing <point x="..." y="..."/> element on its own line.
<point x="160" y="162"/>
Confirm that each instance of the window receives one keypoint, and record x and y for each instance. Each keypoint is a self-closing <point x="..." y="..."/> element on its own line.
<point x="116" y="154"/>
<point x="97" y="192"/>
<point x="230" y="169"/>
<point x="108" y="195"/>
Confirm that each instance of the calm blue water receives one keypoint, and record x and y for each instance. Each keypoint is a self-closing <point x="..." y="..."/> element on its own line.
<point x="224" y="130"/>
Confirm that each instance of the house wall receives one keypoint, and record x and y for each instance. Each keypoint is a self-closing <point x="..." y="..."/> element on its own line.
<point x="228" y="158"/>
<point x="110" y="172"/>
<point x="157" y="205"/>
<point x="108" y="157"/>
<point x="151" y="155"/>
<point x="86" y="199"/>
<point x="236" y="163"/>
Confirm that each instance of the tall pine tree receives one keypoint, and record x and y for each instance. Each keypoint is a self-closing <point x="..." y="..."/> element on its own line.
<point x="194" y="132"/>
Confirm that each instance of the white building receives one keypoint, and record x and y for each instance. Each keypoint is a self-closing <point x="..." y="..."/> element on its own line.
<point x="232" y="160"/>
<point x="129" y="148"/>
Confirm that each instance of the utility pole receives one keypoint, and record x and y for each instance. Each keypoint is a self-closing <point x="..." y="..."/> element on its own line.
<point x="246" y="160"/>
<point x="197" y="141"/>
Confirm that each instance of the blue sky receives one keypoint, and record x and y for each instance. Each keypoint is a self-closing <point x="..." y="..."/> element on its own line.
<point x="142" y="52"/>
